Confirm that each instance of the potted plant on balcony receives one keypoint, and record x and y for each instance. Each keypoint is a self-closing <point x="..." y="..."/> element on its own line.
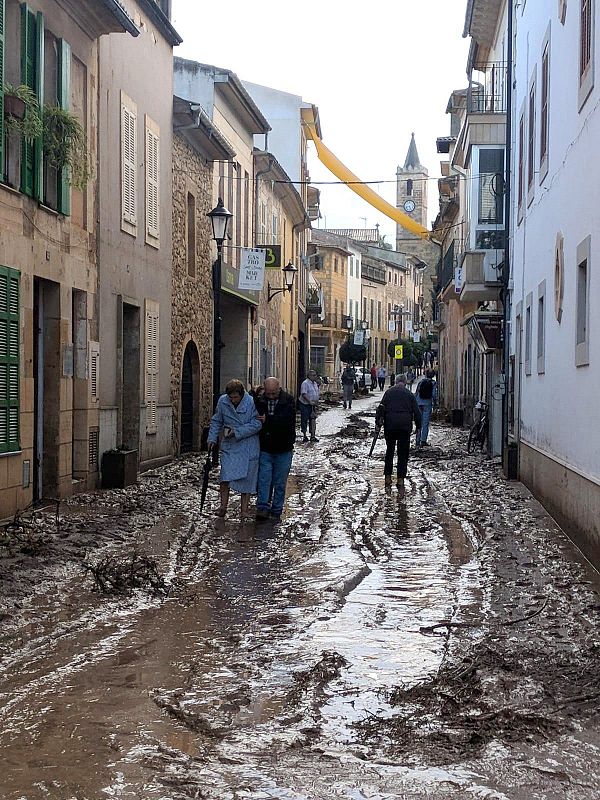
<point x="21" y="112"/>
<point x="65" y="146"/>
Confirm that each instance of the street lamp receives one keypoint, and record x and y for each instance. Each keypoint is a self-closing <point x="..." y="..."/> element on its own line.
<point x="219" y="218"/>
<point x="289" y="273"/>
<point x="364" y="326"/>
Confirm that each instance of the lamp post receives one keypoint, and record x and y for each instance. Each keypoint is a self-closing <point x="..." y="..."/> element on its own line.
<point x="364" y="325"/>
<point x="219" y="218"/>
<point x="289" y="273"/>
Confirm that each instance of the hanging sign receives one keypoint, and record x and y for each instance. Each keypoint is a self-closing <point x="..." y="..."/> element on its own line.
<point x="391" y="325"/>
<point x="272" y="255"/>
<point x="417" y="336"/>
<point x="399" y="352"/>
<point x="408" y="325"/>
<point x="359" y="337"/>
<point x="252" y="269"/>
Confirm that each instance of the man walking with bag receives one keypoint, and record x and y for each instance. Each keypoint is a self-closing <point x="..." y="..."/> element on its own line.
<point x="426" y="396"/>
<point x="396" y="412"/>
<point x="277" y="412"/>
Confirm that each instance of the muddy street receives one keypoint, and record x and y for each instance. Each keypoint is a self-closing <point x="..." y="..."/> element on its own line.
<point x="440" y="643"/>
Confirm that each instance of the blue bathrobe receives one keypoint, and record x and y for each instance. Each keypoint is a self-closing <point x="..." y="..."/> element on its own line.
<point x="239" y="453"/>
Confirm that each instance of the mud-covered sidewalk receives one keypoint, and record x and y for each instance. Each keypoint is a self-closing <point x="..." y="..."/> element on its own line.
<point x="443" y="643"/>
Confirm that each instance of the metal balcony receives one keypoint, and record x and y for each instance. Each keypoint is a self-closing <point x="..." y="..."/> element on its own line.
<point x="487" y="88"/>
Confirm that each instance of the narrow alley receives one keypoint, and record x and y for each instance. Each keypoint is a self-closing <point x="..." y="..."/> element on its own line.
<point x="440" y="644"/>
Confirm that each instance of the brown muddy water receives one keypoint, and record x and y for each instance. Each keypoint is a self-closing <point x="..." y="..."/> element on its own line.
<point x="299" y="660"/>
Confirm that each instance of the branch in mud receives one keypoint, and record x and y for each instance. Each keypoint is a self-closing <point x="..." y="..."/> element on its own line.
<point x="117" y="575"/>
<point x="447" y="623"/>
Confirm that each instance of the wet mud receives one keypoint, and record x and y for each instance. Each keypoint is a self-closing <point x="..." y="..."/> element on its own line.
<point x="439" y="642"/>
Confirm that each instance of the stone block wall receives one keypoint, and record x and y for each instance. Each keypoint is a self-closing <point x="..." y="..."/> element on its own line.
<point x="192" y="316"/>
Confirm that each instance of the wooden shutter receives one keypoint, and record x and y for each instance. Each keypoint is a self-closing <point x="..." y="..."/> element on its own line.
<point x="152" y="342"/>
<point x="64" y="102"/>
<point x="9" y="360"/>
<point x="28" y="76"/>
<point x="2" y="89"/>
<point x="152" y="181"/>
<point x="128" y="163"/>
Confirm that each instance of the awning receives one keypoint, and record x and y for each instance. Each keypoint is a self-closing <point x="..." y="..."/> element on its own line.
<point x="342" y="172"/>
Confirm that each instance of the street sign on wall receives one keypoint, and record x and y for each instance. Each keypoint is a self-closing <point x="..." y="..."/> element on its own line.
<point x="399" y="352"/>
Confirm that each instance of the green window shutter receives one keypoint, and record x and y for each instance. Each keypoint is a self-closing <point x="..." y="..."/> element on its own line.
<point x="38" y="151"/>
<point x="9" y="360"/>
<point x="64" y="101"/>
<point x="28" y="75"/>
<point x="2" y="89"/>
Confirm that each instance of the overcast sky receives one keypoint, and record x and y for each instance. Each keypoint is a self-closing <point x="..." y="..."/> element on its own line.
<point x="376" y="70"/>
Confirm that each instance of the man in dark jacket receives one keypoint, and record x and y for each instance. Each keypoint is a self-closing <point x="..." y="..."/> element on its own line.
<point x="396" y="412"/>
<point x="277" y="412"/>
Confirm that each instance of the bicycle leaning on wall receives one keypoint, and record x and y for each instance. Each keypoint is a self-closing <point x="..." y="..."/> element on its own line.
<point x="479" y="431"/>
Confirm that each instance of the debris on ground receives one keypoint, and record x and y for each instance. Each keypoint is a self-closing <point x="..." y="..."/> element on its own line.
<point x="120" y="575"/>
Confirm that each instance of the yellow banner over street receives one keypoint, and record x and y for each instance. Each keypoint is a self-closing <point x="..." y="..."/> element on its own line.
<point x="342" y="172"/>
<point x="399" y="352"/>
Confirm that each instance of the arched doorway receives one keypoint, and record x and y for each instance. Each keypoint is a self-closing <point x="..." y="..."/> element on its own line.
<point x="190" y="374"/>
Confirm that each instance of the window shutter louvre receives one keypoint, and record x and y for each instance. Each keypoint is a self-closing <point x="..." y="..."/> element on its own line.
<point x="38" y="150"/>
<point x="152" y="343"/>
<point x="9" y="360"/>
<point x="152" y="179"/>
<point x="28" y="78"/>
<point x="94" y="368"/>
<point x="128" y="163"/>
<point x="2" y="88"/>
<point x="64" y="101"/>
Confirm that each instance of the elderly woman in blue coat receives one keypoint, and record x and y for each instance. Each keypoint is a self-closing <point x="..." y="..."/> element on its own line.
<point x="237" y="420"/>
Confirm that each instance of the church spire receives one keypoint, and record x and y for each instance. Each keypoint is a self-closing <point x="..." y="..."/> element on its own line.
<point x="412" y="157"/>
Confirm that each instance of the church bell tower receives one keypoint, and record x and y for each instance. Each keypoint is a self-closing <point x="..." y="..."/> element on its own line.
<point x="411" y="193"/>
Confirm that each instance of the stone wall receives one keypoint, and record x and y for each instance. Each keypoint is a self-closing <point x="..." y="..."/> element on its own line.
<point x="192" y="318"/>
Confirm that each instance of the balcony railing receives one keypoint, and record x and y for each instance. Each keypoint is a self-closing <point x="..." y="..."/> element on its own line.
<point x="487" y="88"/>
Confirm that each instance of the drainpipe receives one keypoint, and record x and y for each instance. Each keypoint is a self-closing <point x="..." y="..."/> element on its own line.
<point x="505" y="294"/>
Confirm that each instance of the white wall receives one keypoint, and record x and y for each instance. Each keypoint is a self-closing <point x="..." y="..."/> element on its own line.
<point x="558" y="408"/>
<point x="283" y="112"/>
<point x="354" y="284"/>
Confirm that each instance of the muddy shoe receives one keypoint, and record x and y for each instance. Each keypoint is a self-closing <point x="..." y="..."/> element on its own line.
<point x="305" y="439"/>
<point x="262" y="516"/>
<point x="388" y="480"/>
<point x="400" y="483"/>
<point x="220" y="512"/>
<point x="344" y="406"/>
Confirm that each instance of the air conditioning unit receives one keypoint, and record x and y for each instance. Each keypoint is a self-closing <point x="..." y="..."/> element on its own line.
<point x="493" y="262"/>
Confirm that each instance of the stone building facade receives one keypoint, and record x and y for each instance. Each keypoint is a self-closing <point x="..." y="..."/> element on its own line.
<point x="48" y="265"/>
<point x="192" y="296"/>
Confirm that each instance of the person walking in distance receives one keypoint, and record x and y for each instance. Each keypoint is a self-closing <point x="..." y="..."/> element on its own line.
<point x="308" y="403"/>
<point x="373" y="372"/>
<point x="397" y="412"/>
<point x="235" y="420"/>
<point x="426" y="396"/>
<point x="410" y="378"/>
<point x="277" y="412"/>
<point x="381" y="376"/>
<point x="348" y="380"/>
